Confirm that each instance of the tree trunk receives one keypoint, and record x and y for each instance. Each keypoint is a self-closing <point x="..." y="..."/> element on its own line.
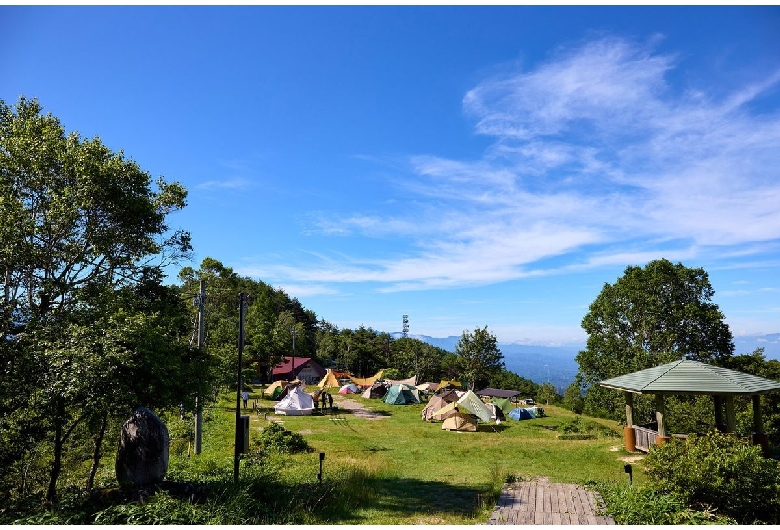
<point x="96" y="454"/>
<point x="56" y="465"/>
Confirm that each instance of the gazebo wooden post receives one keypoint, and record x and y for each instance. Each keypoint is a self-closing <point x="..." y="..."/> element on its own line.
<point x="660" y="411"/>
<point x="719" y="423"/>
<point x="759" y="437"/>
<point x="629" y="435"/>
<point x="731" y="417"/>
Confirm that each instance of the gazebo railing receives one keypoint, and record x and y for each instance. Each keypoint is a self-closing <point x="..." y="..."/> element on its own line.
<point x="644" y="437"/>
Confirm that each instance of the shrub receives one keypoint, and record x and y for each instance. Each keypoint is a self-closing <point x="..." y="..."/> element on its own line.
<point x="721" y="472"/>
<point x="274" y="437"/>
<point x="644" y="505"/>
<point x="573" y="426"/>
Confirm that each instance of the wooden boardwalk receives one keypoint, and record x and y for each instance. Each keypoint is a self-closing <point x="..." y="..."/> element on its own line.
<point x="547" y="503"/>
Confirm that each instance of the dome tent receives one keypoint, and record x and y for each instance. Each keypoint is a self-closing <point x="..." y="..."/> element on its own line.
<point x="521" y="413"/>
<point x="349" y="388"/>
<point x="402" y="395"/>
<point x="459" y="422"/>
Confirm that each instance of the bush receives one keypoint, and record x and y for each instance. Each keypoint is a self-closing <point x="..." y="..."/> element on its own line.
<point x="274" y="437"/>
<point x="718" y="471"/>
<point x="644" y="506"/>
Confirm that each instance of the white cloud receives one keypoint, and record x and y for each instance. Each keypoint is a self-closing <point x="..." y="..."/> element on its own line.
<point x="232" y="184"/>
<point x="596" y="161"/>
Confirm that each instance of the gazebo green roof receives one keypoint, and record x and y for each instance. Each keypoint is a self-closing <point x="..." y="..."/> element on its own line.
<point x="691" y="377"/>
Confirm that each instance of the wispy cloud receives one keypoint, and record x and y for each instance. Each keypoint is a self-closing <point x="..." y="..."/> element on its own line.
<point x="230" y="184"/>
<point x="596" y="160"/>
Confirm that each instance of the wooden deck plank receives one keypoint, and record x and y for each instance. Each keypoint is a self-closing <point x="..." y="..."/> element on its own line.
<point x="544" y="503"/>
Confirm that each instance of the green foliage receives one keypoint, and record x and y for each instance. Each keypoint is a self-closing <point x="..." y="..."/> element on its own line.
<point x="572" y="426"/>
<point x="719" y="472"/>
<point x="83" y="243"/>
<point x="478" y="357"/>
<point x="547" y="394"/>
<point x="644" y="506"/>
<point x="572" y="398"/>
<point x="274" y="437"/>
<point x="650" y="316"/>
<point x="511" y="381"/>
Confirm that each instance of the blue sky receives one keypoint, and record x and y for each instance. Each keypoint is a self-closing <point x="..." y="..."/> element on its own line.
<point x="467" y="166"/>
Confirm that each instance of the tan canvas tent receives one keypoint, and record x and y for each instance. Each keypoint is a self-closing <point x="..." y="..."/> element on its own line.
<point x="367" y="381"/>
<point x="468" y="401"/>
<point x="331" y="379"/>
<point x="437" y="403"/>
<point x="459" y="422"/>
<point x="272" y="388"/>
<point x="412" y="381"/>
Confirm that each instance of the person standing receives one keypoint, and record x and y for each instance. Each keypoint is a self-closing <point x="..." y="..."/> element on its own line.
<point x="245" y="396"/>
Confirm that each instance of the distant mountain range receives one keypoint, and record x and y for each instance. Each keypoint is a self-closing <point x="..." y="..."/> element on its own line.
<point x="556" y="364"/>
<point x="540" y="364"/>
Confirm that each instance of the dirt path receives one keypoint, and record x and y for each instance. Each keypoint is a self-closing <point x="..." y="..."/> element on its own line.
<point x="356" y="408"/>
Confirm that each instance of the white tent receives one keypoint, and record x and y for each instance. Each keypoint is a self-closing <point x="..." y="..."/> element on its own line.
<point x="296" y="403"/>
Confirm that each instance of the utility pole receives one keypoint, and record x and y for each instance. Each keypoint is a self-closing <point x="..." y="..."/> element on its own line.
<point x="201" y="335"/>
<point x="293" y="332"/>
<point x="239" y="433"/>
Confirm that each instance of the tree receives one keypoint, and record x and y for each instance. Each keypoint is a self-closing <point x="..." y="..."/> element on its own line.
<point x="414" y="357"/>
<point x="548" y="394"/>
<point x="650" y="316"/>
<point x="77" y="223"/>
<point x="478" y="356"/>
<point x="510" y="380"/>
<point x="572" y="398"/>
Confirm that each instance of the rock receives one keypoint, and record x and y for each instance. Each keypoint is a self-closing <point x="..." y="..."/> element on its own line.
<point x="142" y="458"/>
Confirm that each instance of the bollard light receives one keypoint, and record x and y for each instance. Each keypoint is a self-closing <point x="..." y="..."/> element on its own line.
<point x="627" y="469"/>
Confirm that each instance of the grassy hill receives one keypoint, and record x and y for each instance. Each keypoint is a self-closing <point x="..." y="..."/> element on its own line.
<point x="394" y="470"/>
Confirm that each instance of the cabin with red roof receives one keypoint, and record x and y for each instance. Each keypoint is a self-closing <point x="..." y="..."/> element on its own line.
<point x="304" y="368"/>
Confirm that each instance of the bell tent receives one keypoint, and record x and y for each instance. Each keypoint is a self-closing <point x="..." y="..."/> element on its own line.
<point x="296" y="403"/>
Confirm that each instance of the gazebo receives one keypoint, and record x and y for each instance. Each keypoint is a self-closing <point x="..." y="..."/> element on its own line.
<point x="690" y="377"/>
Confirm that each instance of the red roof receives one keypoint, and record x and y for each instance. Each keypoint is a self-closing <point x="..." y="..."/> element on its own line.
<point x="293" y="365"/>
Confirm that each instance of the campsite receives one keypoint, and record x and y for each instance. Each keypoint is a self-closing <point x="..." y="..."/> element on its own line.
<point x="393" y="467"/>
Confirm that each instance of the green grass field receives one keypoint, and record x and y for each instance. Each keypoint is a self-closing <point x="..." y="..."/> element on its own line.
<point x="402" y="470"/>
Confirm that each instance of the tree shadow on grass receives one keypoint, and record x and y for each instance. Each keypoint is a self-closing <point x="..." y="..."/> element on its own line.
<point x="415" y="500"/>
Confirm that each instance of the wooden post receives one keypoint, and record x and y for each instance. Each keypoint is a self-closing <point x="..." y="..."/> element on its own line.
<point x="660" y="411"/>
<point x="629" y="435"/>
<point x="731" y="417"/>
<point x="719" y="423"/>
<point x="629" y="408"/>
<point x="659" y="414"/>
<point x="758" y="420"/>
<point x="759" y="437"/>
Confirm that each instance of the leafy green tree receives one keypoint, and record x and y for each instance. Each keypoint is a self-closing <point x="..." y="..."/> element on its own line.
<point x="478" y="357"/>
<point x="756" y="363"/>
<point x="77" y="221"/>
<point x="414" y="357"/>
<point x="651" y="315"/>
<point x="572" y="398"/>
<point x="511" y="381"/>
<point x="548" y="394"/>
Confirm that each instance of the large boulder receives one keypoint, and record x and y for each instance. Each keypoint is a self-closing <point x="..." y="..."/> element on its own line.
<point x="142" y="458"/>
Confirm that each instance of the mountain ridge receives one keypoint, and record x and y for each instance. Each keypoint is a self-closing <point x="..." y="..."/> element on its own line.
<point x="543" y="363"/>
